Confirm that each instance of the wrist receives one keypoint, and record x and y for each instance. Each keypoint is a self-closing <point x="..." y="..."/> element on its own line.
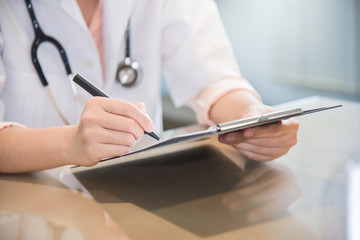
<point x="232" y="105"/>
<point x="67" y="145"/>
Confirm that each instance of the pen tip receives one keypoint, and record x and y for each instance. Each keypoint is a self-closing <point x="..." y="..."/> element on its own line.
<point x="153" y="135"/>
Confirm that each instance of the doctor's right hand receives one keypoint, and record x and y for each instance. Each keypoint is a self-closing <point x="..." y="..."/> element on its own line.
<point x="107" y="128"/>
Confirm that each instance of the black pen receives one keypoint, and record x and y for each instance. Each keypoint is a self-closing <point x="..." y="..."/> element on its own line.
<point x="95" y="91"/>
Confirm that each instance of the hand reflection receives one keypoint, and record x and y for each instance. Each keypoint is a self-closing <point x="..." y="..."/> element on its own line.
<point x="264" y="191"/>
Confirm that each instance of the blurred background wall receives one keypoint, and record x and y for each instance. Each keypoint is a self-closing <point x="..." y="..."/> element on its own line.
<point x="291" y="49"/>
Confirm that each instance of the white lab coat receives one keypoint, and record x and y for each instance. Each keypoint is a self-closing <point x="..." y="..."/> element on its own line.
<point x="182" y="39"/>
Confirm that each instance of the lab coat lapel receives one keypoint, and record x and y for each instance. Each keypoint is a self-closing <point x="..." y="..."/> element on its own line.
<point x="116" y="15"/>
<point x="72" y="9"/>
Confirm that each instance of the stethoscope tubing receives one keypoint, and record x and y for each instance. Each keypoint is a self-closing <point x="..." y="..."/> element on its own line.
<point x="41" y="37"/>
<point x="127" y="39"/>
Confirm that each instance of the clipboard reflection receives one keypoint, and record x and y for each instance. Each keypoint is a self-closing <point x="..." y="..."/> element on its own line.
<point x="201" y="190"/>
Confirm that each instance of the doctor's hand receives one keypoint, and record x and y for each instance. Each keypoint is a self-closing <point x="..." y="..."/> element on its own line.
<point x="263" y="143"/>
<point x="107" y="128"/>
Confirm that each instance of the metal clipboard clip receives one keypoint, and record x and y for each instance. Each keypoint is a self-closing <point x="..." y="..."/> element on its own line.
<point x="267" y="118"/>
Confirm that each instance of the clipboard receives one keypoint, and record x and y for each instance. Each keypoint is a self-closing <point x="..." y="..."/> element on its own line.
<point x="226" y="127"/>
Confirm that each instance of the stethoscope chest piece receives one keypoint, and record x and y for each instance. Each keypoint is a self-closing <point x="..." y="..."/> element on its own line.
<point x="128" y="73"/>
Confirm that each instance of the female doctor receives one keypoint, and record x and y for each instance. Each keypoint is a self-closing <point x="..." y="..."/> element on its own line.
<point x="183" y="40"/>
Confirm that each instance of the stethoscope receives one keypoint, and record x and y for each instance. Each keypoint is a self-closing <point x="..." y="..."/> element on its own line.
<point x="128" y="72"/>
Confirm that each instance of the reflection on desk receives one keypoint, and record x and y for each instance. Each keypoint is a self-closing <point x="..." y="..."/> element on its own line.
<point x="31" y="210"/>
<point x="200" y="190"/>
<point x="264" y="192"/>
<point x="204" y="190"/>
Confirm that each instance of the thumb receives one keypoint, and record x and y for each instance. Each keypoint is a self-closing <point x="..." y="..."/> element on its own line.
<point x="256" y="110"/>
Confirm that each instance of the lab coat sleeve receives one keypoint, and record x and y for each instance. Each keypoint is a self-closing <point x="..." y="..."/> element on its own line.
<point x="202" y="103"/>
<point x="2" y="79"/>
<point x="196" y="50"/>
<point x="2" y="85"/>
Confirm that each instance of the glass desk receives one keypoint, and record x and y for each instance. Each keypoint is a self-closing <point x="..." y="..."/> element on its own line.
<point x="203" y="190"/>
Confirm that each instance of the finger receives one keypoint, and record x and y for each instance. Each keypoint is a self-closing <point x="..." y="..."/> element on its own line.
<point x="123" y="124"/>
<point x="272" y="130"/>
<point x="130" y="110"/>
<point x="247" y="202"/>
<point x="266" y="199"/>
<point x="246" y="192"/>
<point x="141" y="106"/>
<point x="232" y="138"/>
<point x="251" y="176"/>
<point x="112" y="150"/>
<point x="248" y="197"/>
<point x="262" y="185"/>
<point x="269" y="209"/>
<point x="266" y="151"/>
<point x="256" y="156"/>
<point x="267" y="131"/>
<point x="239" y="204"/>
<point x="117" y="138"/>
<point x="282" y="141"/>
<point x="288" y="139"/>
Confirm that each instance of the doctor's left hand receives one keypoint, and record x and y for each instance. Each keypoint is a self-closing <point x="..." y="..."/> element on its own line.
<point x="263" y="143"/>
<point x="107" y="128"/>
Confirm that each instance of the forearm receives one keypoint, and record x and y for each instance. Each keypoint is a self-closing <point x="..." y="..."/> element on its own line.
<point x="232" y="105"/>
<point x="107" y="128"/>
<point x="26" y="149"/>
